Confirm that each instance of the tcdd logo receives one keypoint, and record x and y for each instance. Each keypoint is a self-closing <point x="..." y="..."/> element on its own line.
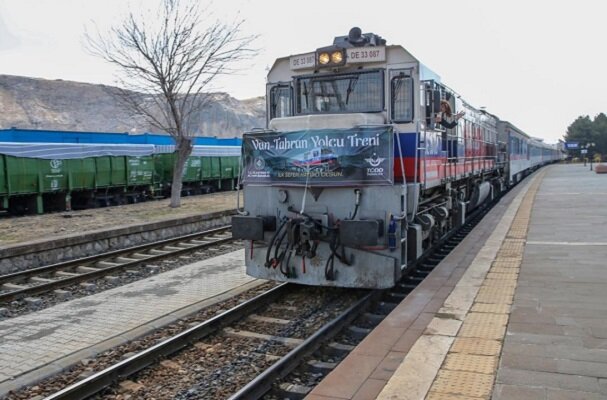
<point x="56" y="164"/>
<point x="375" y="169"/>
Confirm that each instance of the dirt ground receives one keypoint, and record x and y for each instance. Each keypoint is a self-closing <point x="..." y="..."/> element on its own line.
<point x="15" y="230"/>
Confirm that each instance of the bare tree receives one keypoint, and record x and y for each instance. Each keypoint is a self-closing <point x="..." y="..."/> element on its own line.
<point x="166" y="63"/>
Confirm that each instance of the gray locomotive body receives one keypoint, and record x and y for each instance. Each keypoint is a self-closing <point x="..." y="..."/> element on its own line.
<point x="354" y="178"/>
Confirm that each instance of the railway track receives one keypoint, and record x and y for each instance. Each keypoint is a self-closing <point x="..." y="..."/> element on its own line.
<point x="257" y="340"/>
<point x="281" y="362"/>
<point x="50" y="278"/>
<point x="253" y="353"/>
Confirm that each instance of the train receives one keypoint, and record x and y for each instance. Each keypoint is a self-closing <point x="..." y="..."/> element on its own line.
<point x="60" y="170"/>
<point x="398" y="181"/>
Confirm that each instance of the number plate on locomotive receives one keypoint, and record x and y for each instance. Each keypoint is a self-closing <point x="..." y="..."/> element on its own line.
<point x="366" y="54"/>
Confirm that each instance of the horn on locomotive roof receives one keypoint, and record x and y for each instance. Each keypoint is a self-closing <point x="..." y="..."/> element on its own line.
<point x="356" y="38"/>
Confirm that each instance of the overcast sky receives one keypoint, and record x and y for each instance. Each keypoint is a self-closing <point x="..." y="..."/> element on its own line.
<point x="539" y="64"/>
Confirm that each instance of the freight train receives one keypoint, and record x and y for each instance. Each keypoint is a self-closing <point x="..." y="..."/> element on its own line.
<point x="54" y="170"/>
<point x="398" y="181"/>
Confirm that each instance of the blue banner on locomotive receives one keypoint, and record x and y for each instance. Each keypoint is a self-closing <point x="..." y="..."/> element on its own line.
<point x="323" y="209"/>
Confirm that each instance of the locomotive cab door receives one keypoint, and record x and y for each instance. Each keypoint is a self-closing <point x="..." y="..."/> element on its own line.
<point x="433" y="93"/>
<point x="401" y="96"/>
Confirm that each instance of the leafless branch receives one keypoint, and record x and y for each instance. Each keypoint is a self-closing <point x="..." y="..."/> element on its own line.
<point x="168" y="62"/>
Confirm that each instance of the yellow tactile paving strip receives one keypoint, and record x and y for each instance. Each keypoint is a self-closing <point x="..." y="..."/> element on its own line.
<point x="470" y="363"/>
<point x="471" y="384"/>
<point x="476" y="346"/>
<point x="469" y="369"/>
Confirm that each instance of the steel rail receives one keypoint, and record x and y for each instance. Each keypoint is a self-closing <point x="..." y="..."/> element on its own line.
<point x="114" y="253"/>
<point x="281" y="368"/>
<point x="45" y="287"/>
<point x="102" y="379"/>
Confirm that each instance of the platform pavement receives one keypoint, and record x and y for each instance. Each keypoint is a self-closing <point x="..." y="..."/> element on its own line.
<point x="40" y="344"/>
<point x="556" y="340"/>
<point x="526" y="320"/>
<point x="537" y="327"/>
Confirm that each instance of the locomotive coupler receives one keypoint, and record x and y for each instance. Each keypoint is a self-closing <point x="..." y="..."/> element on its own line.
<point x="309" y="231"/>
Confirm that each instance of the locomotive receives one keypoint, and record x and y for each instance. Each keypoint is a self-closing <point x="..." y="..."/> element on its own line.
<point x="353" y="180"/>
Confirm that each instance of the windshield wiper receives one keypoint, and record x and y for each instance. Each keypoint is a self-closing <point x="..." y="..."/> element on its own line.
<point x="305" y="93"/>
<point x="351" y="86"/>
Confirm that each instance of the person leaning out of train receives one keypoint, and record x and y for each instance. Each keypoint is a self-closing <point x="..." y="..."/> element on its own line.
<point x="446" y="117"/>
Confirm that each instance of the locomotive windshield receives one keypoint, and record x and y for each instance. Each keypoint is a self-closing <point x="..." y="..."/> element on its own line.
<point x="341" y="93"/>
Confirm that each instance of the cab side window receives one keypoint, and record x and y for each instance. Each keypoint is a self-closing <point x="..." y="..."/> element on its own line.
<point x="401" y="96"/>
<point x="280" y="103"/>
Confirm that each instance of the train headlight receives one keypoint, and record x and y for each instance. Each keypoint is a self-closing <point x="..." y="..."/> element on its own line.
<point x="332" y="56"/>
<point x="324" y="58"/>
<point x="337" y="57"/>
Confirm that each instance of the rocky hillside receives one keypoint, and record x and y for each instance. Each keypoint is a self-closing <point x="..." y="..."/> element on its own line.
<point x="29" y="103"/>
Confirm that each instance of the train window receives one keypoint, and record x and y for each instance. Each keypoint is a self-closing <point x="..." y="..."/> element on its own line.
<point x="401" y="97"/>
<point x="341" y="93"/>
<point x="513" y="145"/>
<point x="433" y="93"/>
<point x="280" y="101"/>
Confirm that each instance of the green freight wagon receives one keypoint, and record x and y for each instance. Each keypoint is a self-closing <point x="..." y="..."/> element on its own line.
<point x="58" y="176"/>
<point x="30" y="181"/>
<point x="200" y="174"/>
<point x="140" y="171"/>
<point x="3" y="184"/>
<point x="192" y="176"/>
<point x="140" y="178"/>
<point x="103" y="184"/>
<point x="163" y="171"/>
<point x="110" y="172"/>
<point x="211" y="169"/>
<point x="46" y="176"/>
<point x="229" y="171"/>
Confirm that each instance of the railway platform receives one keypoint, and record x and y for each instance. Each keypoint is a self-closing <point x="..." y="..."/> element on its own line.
<point x="41" y="344"/>
<point x="517" y="311"/>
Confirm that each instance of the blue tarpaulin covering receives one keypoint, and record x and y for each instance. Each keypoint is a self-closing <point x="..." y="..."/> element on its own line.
<point x="64" y="151"/>
<point x="67" y="144"/>
<point x="48" y="136"/>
